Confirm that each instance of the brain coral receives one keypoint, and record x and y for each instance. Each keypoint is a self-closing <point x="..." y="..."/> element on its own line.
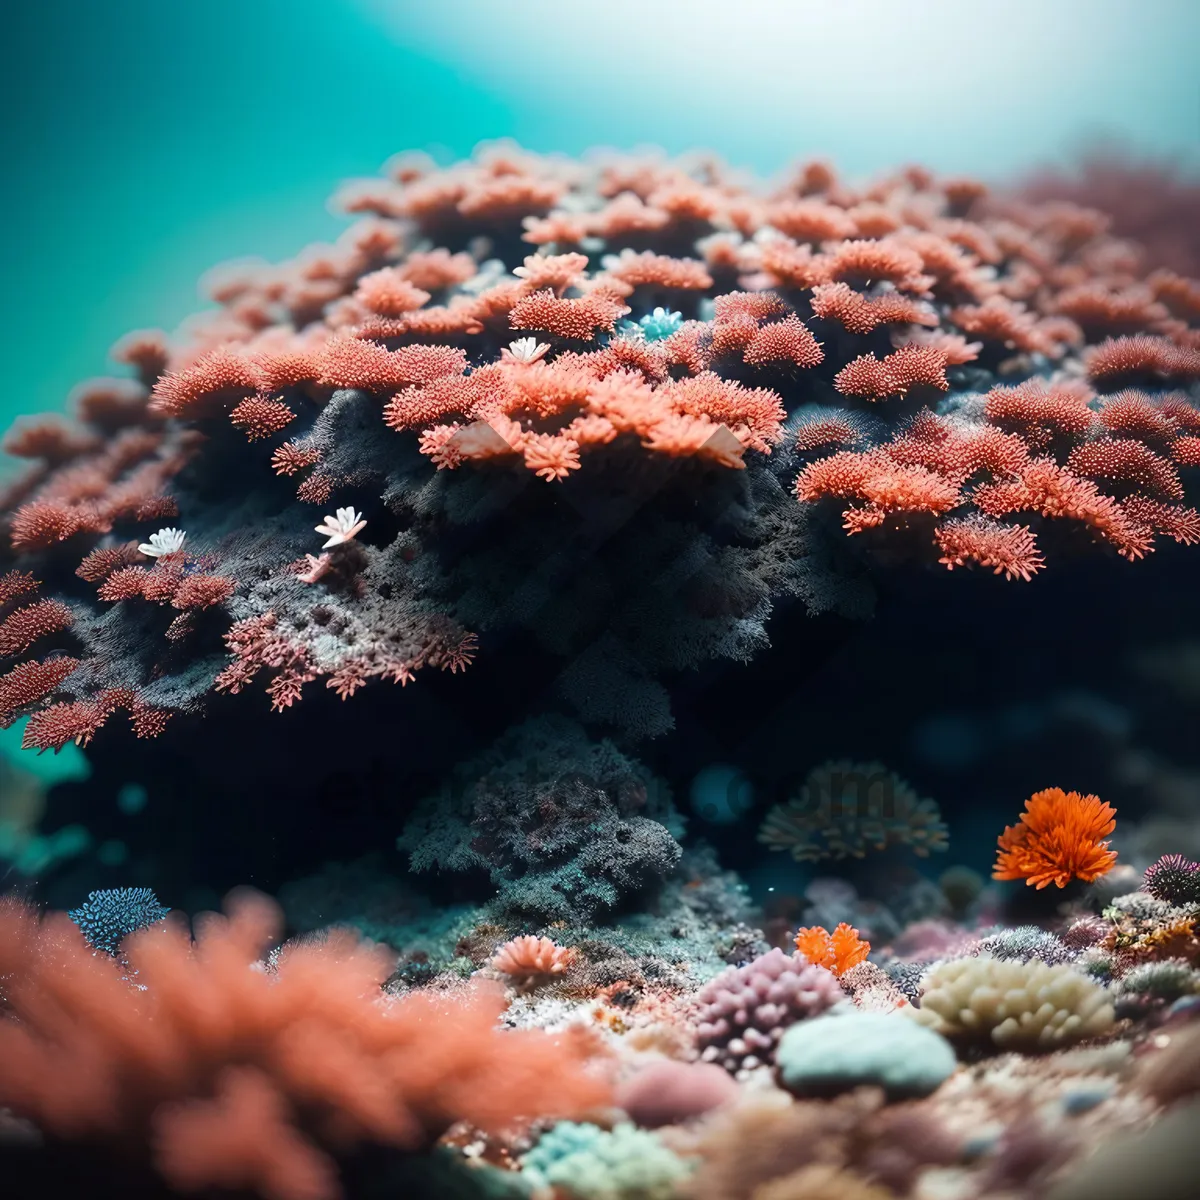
<point x="1012" y="1005"/>
<point x="501" y="364"/>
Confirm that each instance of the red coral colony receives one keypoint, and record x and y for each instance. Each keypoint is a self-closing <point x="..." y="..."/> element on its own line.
<point x="977" y="381"/>
<point x="555" y="442"/>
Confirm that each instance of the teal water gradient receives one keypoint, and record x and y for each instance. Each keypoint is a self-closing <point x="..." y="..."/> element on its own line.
<point x="145" y="140"/>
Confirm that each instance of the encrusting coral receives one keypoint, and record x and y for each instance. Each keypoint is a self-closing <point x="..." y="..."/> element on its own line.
<point x="966" y="379"/>
<point x="839" y="1052"/>
<point x="566" y="827"/>
<point x="594" y="1164"/>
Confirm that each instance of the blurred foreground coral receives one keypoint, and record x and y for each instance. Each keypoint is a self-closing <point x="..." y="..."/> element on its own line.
<point x="238" y="1077"/>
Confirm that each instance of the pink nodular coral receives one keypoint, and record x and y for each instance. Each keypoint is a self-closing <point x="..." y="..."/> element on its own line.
<point x="742" y="1013"/>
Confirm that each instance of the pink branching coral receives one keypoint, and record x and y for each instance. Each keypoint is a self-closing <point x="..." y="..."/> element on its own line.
<point x="229" y="1077"/>
<point x="217" y="379"/>
<point x="29" y="682"/>
<point x="660" y="271"/>
<point x="259" y="418"/>
<point x="24" y="626"/>
<point x="1041" y="412"/>
<point x="1156" y="203"/>
<point x="261" y="643"/>
<point x="882" y="486"/>
<point x="24" y="621"/>
<point x="79" y="721"/>
<point x="1007" y="549"/>
<point x="899" y="373"/>
<point x="1123" y="490"/>
<point x="857" y="313"/>
<point x="824" y="432"/>
<point x="1142" y="358"/>
<point x="100" y="563"/>
<point x="572" y="320"/>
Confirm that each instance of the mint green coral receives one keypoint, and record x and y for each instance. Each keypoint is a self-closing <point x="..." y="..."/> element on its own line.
<point x="592" y="1164"/>
<point x="654" y="326"/>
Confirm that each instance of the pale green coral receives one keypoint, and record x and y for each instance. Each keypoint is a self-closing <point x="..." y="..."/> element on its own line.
<point x="589" y="1163"/>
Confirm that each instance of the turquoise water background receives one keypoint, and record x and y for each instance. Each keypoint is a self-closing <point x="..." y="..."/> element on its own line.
<point x="145" y="140"/>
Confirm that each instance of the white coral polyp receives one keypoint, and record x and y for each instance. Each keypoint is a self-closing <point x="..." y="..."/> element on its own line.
<point x="1025" y="1006"/>
<point x="342" y="528"/>
<point x="164" y="542"/>
<point x="526" y="350"/>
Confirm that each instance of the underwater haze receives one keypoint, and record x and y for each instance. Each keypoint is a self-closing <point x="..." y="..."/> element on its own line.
<point x="147" y="141"/>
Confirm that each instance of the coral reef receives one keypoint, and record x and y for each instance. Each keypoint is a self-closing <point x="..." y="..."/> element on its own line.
<point x="1153" y="202"/>
<point x="460" y="344"/>
<point x="232" y="1074"/>
<point x="606" y="432"/>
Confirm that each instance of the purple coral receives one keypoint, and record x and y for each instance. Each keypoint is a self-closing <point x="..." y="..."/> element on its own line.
<point x="1174" y="879"/>
<point x="1085" y="932"/>
<point x="744" y="1011"/>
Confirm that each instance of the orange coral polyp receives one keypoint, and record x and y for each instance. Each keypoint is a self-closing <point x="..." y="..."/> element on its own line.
<point x="838" y="951"/>
<point x="1059" y="838"/>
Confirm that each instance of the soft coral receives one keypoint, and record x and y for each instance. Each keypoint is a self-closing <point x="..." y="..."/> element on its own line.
<point x="234" y="1077"/>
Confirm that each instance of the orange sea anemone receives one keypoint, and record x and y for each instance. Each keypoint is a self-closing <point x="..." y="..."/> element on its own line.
<point x="530" y="959"/>
<point x="837" y="951"/>
<point x="1058" y="839"/>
